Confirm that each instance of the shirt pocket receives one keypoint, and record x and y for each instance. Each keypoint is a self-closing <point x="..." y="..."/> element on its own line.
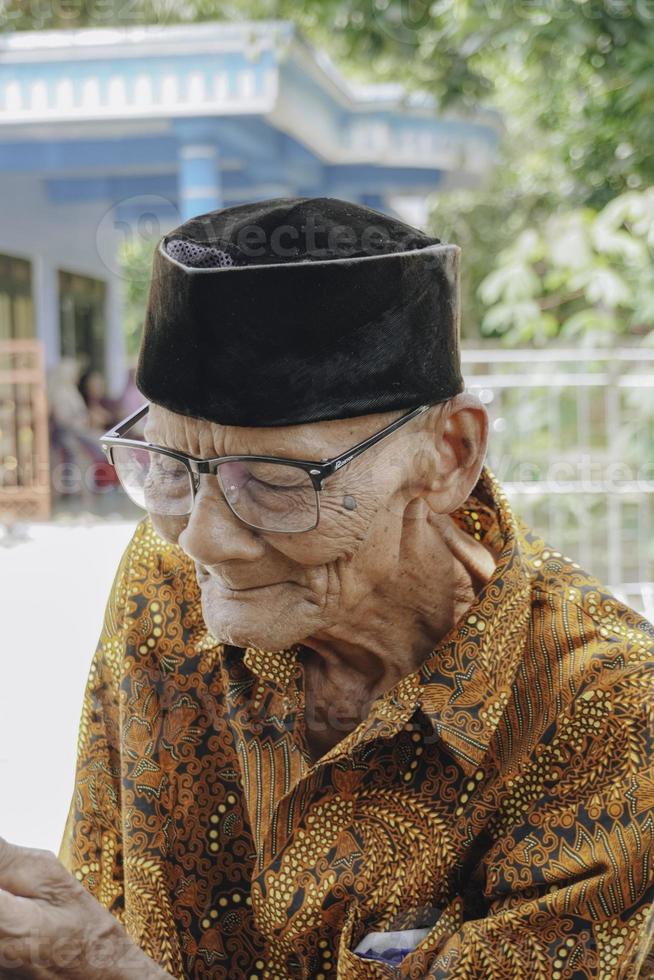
<point x="420" y="960"/>
<point x="415" y="965"/>
<point x="351" y="966"/>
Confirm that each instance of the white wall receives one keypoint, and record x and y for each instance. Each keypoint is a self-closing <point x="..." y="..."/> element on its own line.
<point x="53" y="590"/>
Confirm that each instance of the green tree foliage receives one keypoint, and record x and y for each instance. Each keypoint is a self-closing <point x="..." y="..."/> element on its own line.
<point x="582" y="274"/>
<point x="136" y="254"/>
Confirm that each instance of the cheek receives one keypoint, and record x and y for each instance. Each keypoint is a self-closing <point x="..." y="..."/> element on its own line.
<point x="338" y="535"/>
<point x="340" y="520"/>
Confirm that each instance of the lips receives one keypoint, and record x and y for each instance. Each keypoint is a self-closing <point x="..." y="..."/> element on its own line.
<point x="204" y="576"/>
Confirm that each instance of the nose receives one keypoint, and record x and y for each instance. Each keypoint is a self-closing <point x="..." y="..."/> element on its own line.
<point x="213" y="534"/>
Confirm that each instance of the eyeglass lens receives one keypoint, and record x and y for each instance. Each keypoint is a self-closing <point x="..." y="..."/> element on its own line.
<point x="270" y="496"/>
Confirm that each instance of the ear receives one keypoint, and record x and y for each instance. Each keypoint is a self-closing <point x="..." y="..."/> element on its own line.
<point x="459" y="441"/>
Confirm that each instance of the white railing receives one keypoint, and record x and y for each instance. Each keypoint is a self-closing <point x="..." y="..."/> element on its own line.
<point x="572" y="442"/>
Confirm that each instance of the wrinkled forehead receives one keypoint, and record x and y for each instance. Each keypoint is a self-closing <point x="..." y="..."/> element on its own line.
<point x="310" y="440"/>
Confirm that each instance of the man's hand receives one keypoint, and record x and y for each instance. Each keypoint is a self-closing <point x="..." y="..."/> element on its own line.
<point x="51" y="927"/>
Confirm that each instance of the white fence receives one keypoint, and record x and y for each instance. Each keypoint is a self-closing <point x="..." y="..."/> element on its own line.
<point x="572" y="442"/>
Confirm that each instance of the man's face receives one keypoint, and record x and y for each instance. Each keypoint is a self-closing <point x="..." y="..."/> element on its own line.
<point x="271" y="590"/>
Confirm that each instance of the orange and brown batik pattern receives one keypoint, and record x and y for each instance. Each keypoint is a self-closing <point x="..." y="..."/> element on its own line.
<point x="502" y="794"/>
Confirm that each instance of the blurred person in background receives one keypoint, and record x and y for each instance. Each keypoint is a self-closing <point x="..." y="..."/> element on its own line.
<point x="67" y="406"/>
<point x="101" y="410"/>
<point x="78" y="464"/>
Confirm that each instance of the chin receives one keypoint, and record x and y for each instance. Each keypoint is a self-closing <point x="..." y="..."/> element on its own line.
<point x="244" y="623"/>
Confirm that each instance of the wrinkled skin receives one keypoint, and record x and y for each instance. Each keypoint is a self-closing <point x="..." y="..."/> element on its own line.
<point x="368" y="592"/>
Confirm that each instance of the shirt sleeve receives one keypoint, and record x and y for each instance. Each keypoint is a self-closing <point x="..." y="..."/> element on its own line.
<point x="91" y="845"/>
<point x="96" y="839"/>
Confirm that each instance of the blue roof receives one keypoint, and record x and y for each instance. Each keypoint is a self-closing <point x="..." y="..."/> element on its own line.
<point x="100" y="114"/>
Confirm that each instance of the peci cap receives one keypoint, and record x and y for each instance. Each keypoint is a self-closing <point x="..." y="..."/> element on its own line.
<point x="295" y="310"/>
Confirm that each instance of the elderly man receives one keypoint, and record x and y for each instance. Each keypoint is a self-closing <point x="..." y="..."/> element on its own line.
<point x="348" y="716"/>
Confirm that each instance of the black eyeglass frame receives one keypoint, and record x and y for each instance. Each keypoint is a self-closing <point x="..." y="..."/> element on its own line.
<point x="318" y="471"/>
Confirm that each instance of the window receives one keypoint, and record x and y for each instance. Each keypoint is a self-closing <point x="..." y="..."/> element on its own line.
<point x="16" y="306"/>
<point x="82" y="318"/>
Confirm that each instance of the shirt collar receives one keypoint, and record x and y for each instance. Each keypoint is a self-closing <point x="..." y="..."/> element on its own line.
<point x="463" y="687"/>
<point x="464" y="684"/>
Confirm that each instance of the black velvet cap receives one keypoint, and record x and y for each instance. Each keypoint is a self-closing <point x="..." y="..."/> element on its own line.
<point x="295" y="310"/>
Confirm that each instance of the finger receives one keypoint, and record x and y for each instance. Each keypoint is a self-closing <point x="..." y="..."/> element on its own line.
<point x="32" y="873"/>
<point x="18" y="930"/>
<point x="16" y="916"/>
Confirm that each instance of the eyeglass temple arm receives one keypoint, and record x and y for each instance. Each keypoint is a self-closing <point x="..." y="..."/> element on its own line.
<point x="331" y="465"/>
<point x="126" y="424"/>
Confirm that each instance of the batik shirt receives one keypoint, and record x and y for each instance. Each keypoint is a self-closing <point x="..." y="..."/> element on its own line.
<point x="501" y="794"/>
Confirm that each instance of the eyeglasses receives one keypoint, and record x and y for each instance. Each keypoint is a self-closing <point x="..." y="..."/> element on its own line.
<point x="268" y="493"/>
